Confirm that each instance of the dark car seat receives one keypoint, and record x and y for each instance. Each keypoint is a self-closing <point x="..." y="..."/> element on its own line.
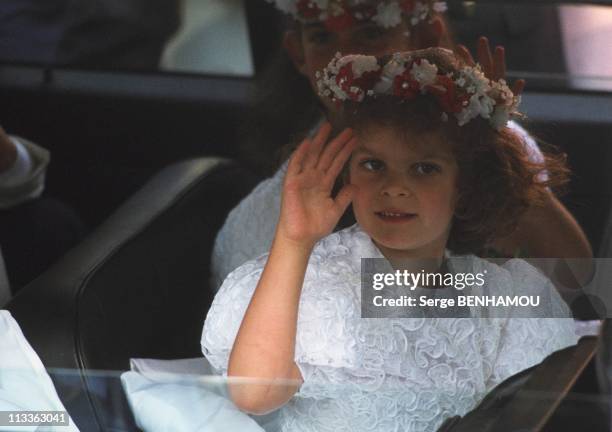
<point x="136" y="287"/>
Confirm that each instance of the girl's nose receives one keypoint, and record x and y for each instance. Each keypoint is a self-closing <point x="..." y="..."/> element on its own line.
<point x="397" y="186"/>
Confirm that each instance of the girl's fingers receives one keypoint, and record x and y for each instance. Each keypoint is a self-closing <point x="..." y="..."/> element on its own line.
<point x="499" y="63"/>
<point x="518" y="87"/>
<point x="332" y="149"/>
<point x="344" y="198"/>
<point x="318" y="142"/>
<point x="339" y="161"/>
<point x="297" y="158"/>
<point x="436" y="32"/>
<point x="465" y="54"/>
<point x="484" y="56"/>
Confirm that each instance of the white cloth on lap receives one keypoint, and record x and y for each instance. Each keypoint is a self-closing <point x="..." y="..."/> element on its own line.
<point x="174" y="396"/>
<point x="24" y="382"/>
<point x="190" y="366"/>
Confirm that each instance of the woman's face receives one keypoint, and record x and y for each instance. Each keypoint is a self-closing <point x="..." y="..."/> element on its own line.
<point x="406" y="191"/>
<point x="314" y="46"/>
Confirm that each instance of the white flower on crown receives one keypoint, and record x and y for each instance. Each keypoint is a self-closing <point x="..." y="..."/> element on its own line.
<point x="425" y="73"/>
<point x="440" y="7"/>
<point x="321" y="4"/>
<point x="388" y="14"/>
<point x="475" y="80"/>
<point x="287" y="6"/>
<point x="420" y="13"/>
<point x="500" y="117"/>
<point x="362" y="64"/>
<point x="479" y="105"/>
<point x="390" y="70"/>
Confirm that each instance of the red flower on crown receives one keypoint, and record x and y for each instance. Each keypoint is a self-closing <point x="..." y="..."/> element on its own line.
<point x="405" y="86"/>
<point x="347" y="81"/>
<point x="407" y="6"/>
<point x="445" y="91"/>
<point x="308" y="9"/>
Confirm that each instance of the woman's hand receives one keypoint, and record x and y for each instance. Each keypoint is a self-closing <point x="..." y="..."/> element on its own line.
<point x="493" y="63"/>
<point x="308" y="211"/>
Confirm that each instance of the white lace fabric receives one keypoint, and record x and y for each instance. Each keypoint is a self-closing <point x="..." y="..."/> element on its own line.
<point x="404" y="374"/>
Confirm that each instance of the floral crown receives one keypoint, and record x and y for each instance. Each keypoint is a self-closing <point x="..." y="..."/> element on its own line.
<point x="464" y="92"/>
<point x="341" y="14"/>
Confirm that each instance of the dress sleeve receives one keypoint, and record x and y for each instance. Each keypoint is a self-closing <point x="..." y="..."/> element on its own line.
<point x="526" y="341"/>
<point x="227" y="311"/>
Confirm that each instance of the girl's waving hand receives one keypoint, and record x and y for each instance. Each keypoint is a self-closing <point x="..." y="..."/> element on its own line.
<point x="308" y="210"/>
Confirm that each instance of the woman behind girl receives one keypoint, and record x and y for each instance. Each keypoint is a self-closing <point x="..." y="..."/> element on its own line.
<point x="290" y="108"/>
<point x="430" y="163"/>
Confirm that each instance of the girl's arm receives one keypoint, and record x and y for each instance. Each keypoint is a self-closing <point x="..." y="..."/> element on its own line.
<point x="265" y="344"/>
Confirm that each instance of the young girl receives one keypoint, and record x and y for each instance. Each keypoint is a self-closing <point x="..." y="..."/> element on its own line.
<point x="290" y="107"/>
<point x="431" y="164"/>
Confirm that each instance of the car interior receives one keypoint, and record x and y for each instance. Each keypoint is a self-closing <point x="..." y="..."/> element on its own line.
<point x="158" y="157"/>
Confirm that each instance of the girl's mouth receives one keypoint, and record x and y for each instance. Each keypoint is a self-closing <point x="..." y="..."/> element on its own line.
<point x="394" y="216"/>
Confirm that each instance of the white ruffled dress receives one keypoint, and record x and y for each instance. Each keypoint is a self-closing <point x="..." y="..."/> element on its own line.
<point x="394" y="374"/>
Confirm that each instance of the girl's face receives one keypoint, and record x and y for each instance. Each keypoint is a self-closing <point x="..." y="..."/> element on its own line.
<point x="407" y="191"/>
<point x="314" y="46"/>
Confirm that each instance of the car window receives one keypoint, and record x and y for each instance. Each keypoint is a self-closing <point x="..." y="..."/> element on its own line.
<point x="200" y="36"/>
<point x="213" y="39"/>
<point x="560" y="44"/>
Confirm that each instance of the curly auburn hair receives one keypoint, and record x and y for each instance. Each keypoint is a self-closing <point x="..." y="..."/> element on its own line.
<point x="498" y="178"/>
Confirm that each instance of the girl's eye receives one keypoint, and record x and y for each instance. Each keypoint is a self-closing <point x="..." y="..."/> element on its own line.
<point x="372" y="165"/>
<point x="426" y="168"/>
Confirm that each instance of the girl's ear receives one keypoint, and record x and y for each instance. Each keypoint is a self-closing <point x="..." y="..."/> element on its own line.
<point x="292" y="43"/>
